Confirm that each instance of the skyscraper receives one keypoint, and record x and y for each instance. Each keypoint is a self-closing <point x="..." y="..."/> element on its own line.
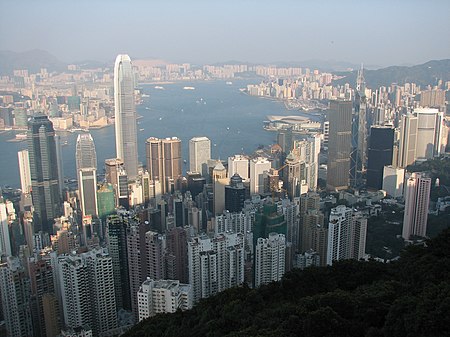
<point x="339" y="144"/>
<point x="5" y="239"/>
<point x="429" y="126"/>
<point x="270" y="259"/>
<point x="125" y="115"/>
<point x="164" y="162"/>
<point x="417" y="199"/>
<point x="380" y="154"/>
<point x="199" y="154"/>
<point x="24" y="170"/>
<point x="408" y="140"/>
<point x="86" y="160"/>
<point x="257" y="168"/>
<point x="238" y="164"/>
<point x="44" y="172"/>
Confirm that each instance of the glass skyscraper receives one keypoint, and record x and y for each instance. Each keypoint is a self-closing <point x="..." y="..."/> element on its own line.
<point x="125" y="115"/>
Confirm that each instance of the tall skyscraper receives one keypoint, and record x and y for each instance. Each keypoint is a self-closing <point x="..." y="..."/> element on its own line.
<point x="24" y="171"/>
<point x="339" y="144"/>
<point x="125" y="115"/>
<point x="86" y="160"/>
<point x="346" y="235"/>
<point x="44" y="172"/>
<point x="238" y="164"/>
<point x="359" y="133"/>
<point x="429" y="127"/>
<point x="408" y="140"/>
<point x="381" y="147"/>
<point x="257" y="168"/>
<point x="235" y="194"/>
<point x="5" y="239"/>
<point x="417" y="199"/>
<point x="199" y="154"/>
<point x="270" y="259"/>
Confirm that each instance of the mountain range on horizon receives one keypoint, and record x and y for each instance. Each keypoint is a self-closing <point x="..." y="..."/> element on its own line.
<point x="428" y="73"/>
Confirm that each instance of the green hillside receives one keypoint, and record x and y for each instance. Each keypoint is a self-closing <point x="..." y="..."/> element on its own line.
<point x="409" y="297"/>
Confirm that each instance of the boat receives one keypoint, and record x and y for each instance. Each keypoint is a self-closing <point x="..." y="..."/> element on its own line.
<point x="21" y="136"/>
<point x="145" y="96"/>
<point x="189" y="88"/>
<point x="141" y="129"/>
<point x="229" y="83"/>
<point x="159" y="87"/>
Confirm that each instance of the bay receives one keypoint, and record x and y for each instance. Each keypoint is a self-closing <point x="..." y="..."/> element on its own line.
<point x="232" y="121"/>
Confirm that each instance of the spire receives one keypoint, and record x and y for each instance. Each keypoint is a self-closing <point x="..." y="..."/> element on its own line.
<point x="360" y="82"/>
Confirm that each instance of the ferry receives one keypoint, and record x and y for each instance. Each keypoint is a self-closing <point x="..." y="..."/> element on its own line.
<point x="145" y="96"/>
<point x="189" y="88"/>
<point x="159" y="87"/>
<point x="229" y="83"/>
<point x="21" y="136"/>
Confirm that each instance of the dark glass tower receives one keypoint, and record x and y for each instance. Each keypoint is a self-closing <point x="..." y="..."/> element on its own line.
<point x="380" y="154"/>
<point x="44" y="173"/>
<point x="235" y="194"/>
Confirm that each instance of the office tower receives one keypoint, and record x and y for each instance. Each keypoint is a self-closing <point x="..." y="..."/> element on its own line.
<point x="292" y="176"/>
<point x="15" y="296"/>
<point x="122" y="195"/>
<point x="215" y="264"/>
<point x="24" y="171"/>
<point x="87" y="288"/>
<point x="86" y="161"/>
<point x="380" y="154"/>
<point x="163" y="297"/>
<point x="326" y="133"/>
<point x="238" y="164"/>
<point x="155" y="249"/>
<point x="176" y="258"/>
<point x="44" y="172"/>
<point x="429" y="128"/>
<point x="339" y="144"/>
<point x="164" y="162"/>
<point x="199" y="154"/>
<point x="112" y="167"/>
<point x="285" y="140"/>
<point x="359" y="133"/>
<point x="417" y="199"/>
<point x="125" y="115"/>
<point x="257" y="168"/>
<point x="105" y="201"/>
<point x="59" y="159"/>
<point x="85" y="154"/>
<point x="346" y="235"/>
<point x="219" y="181"/>
<point x="393" y="179"/>
<point x="235" y="194"/>
<point x="42" y="293"/>
<point x="5" y="239"/>
<point x="116" y="240"/>
<point x="408" y="140"/>
<point x="270" y="259"/>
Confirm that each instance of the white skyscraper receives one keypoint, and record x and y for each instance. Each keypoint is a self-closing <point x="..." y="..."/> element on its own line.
<point x="199" y="154"/>
<point x="86" y="161"/>
<point x="257" y="168"/>
<point x="5" y="241"/>
<point x="270" y="259"/>
<point x="238" y="164"/>
<point x="215" y="264"/>
<point x="125" y="115"/>
<point x="393" y="179"/>
<point x="24" y="171"/>
<point x="346" y="235"/>
<point x="417" y="199"/>
<point x="162" y="297"/>
<point x="429" y="127"/>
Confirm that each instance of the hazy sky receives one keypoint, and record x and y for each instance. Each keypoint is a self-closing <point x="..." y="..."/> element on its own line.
<point x="380" y="32"/>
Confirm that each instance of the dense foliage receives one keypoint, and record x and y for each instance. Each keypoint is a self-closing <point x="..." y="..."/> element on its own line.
<point x="409" y="297"/>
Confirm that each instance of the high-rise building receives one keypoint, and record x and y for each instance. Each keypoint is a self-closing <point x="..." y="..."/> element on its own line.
<point x="270" y="259"/>
<point x="238" y="164"/>
<point x="199" y="154"/>
<point x="44" y="173"/>
<point x="235" y="194"/>
<point x="87" y="182"/>
<point x="112" y="166"/>
<point x="105" y="201"/>
<point x="417" y="199"/>
<point x="164" y="161"/>
<point x="5" y="239"/>
<point x="155" y="250"/>
<point x="393" y="180"/>
<point x="24" y="171"/>
<point x="429" y="128"/>
<point x="346" y="235"/>
<point x="176" y="257"/>
<point x="380" y="154"/>
<point x="359" y="133"/>
<point x="215" y="264"/>
<point x="85" y="154"/>
<point x="15" y="296"/>
<point x="163" y="297"/>
<point x="125" y="115"/>
<point x="339" y="144"/>
<point x="257" y="168"/>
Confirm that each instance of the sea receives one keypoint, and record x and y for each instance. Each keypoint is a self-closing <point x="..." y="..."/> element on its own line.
<point x="232" y="120"/>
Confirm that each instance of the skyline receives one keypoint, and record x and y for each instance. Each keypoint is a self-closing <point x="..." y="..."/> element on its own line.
<point x="251" y="31"/>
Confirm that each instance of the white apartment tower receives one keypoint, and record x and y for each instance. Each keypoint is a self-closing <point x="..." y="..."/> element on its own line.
<point x="162" y="297"/>
<point x="199" y="154"/>
<point x="257" y="168"/>
<point x="417" y="199"/>
<point x="125" y="115"/>
<point x="270" y="259"/>
<point x="5" y="240"/>
<point x="346" y="235"/>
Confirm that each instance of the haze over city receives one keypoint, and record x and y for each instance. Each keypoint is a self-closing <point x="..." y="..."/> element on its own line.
<point x="379" y="33"/>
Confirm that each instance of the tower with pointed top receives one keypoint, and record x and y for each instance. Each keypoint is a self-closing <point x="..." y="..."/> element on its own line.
<point x="359" y="133"/>
<point x="125" y="115"/>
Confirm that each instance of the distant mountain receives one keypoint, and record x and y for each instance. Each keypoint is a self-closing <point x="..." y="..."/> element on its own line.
<point x="33" y="60"/>
<point x="423" y="74"/>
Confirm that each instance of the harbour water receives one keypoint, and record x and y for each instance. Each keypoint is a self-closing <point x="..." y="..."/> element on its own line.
<point x="232" y="121"/>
